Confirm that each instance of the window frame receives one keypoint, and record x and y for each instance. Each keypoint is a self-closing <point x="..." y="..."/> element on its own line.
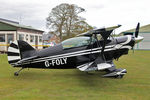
<point x="12" y="37"/>
<point x="4" y="38"/>
<point x="22" y="38"/>
<point x="40" y="39"/>
<point x="33" y="39"/>
<point x="27" y="37"/>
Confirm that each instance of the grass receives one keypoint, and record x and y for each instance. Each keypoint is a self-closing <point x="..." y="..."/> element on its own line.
<point x="71" y="84"/>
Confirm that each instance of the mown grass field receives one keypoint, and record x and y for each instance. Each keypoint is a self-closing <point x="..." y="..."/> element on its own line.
<point x="71" y="84"/>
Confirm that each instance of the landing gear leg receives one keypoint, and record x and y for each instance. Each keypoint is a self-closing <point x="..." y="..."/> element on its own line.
<point x="17" y="73"/>
<point x="119" y="76"/>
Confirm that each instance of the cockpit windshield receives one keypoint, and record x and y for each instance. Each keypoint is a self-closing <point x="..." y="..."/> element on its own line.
<point x="76" y="42"/>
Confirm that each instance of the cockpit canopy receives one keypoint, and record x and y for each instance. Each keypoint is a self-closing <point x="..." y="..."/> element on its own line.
<point x="87" y="38"/>
<point x="77" y="42"/>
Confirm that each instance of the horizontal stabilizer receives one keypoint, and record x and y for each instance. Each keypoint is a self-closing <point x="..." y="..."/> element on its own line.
<point x="27" y="59"/>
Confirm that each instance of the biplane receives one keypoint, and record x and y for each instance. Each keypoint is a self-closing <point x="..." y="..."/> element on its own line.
<point x="94" y="50"/>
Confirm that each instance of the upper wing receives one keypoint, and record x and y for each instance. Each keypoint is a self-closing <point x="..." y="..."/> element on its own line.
<point x="102" y="31"/>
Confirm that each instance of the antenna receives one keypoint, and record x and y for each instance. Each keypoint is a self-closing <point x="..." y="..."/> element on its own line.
<point x="20" y="18"/>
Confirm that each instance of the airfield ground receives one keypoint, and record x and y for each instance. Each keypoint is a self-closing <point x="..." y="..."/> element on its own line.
<point x="71" y="84"/>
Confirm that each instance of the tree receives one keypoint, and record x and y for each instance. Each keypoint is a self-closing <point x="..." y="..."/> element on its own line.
<point x="64" y="20"/>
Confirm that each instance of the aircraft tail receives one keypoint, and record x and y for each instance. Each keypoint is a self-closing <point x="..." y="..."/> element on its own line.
<point x="19" y="50"/>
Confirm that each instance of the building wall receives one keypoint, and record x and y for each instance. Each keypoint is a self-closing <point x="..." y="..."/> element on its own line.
<point x="27" y="36"/>
<point x="3" y="46"/>
<point x="145" y="44"/>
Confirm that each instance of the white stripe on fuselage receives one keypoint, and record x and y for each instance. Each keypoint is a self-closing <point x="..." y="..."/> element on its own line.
<point x="72" y="53"/>
<point x="79" y="54"/>
<point x="89" y="50"/>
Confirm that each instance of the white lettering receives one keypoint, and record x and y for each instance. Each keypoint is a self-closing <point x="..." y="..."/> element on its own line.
<point x="53" y="62"/>
<point x="61" y="61"/>
<point x="65" y="60"/>
<point x="57" y="61"/>
<point x="47" y="64"/>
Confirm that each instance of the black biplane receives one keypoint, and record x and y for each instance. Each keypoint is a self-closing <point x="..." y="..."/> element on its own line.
<point x="94" y="50"/>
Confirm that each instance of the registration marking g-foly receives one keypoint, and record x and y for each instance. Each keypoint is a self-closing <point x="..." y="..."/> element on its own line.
<point x="57" y="61"/>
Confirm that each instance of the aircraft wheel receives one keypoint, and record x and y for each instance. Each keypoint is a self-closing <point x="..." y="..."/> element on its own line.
<point x="119" y="76"/>
<point x="16" y="74"/>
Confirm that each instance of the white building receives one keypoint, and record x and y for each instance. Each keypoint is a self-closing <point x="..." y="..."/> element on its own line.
<point x="10" y="31"/>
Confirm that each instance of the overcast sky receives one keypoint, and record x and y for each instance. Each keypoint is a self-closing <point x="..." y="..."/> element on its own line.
<point x="98" y="13"/>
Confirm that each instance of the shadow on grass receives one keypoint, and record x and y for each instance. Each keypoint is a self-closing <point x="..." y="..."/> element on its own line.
<point x="92" y="80"/>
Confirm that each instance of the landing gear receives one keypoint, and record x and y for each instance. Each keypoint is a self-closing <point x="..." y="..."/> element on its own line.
<point x="17" y="73"/>
<point x="117" y="73"/>
<point x="119" y="76"/>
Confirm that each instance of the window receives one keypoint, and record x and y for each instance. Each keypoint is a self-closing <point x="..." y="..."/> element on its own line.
<point x="27" y="37"/>
<point x="10" y="38"/>
<point x="40" y="38"/>
<point x="21" y="36"/>
<point x="2" y="37"/>
<point x="76" y="42"/>
<point x="31" y="38"/>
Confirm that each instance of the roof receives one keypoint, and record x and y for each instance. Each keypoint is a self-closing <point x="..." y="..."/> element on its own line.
<point x="143" y="29"/>
<point x="17" y="25"/>
<point x="1" y="19"/>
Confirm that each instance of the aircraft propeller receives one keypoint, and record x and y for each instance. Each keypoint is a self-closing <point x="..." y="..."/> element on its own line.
<point x="136" y="36"/>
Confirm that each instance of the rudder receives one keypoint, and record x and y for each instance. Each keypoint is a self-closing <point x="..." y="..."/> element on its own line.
<point x="19" y="50"/>
<point x="13" y="53"/>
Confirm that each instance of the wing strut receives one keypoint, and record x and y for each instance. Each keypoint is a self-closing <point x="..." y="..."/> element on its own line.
<point x="105" y="33"/>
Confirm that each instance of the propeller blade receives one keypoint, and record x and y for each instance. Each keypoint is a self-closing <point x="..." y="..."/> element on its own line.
<point x="137" y="30"/>
<point x="136" y="35"/>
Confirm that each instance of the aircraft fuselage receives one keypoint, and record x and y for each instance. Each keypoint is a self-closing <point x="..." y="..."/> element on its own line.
<point x="58" y="58"/>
